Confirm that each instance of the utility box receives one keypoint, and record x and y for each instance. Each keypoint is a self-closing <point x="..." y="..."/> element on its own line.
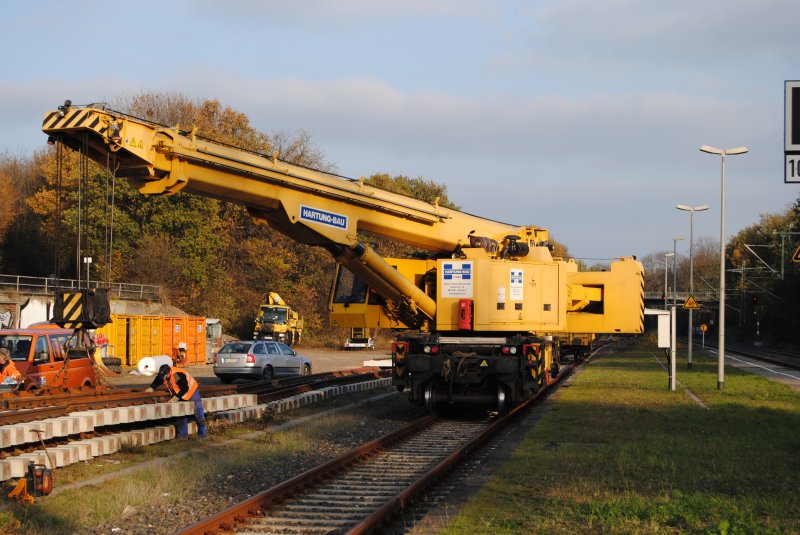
<point x="465" y="314"/>
<point x="663" y="326"/>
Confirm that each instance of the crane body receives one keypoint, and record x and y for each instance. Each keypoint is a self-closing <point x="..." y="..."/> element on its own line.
<point x="478" y="316"/>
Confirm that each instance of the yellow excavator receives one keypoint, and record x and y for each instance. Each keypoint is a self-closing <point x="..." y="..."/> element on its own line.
<point x="479" y="315"/>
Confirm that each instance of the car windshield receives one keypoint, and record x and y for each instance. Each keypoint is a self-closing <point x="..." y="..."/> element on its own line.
<point x="274" y="315"/>
<point x="18" y="344"/>
<point x="236" y="347"/>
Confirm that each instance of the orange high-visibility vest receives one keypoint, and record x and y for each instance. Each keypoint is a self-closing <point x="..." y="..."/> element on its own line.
<point x="10" y="371"/>
<point x="172" y="383"/>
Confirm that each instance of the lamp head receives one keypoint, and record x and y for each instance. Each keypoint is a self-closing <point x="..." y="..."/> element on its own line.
<point x="712" y="150"/>
<point x="723" y="152"/>
<point x="692" y="208"/>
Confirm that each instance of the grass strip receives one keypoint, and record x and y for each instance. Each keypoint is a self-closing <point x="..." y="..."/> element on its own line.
<point x="616" y="452"/>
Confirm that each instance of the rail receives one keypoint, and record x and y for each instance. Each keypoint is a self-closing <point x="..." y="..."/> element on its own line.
<point x="45" y="286"/>
<point x="274" y="390"/>
<point x="86" y="398"/>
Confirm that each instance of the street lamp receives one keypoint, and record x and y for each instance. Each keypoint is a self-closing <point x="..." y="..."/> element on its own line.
<point x="691" y="210"/>
<point x="88" y="261"/>
<point x="721" y="344"/>
<point x="666" y="269"/>
<point x="675" y="241"/>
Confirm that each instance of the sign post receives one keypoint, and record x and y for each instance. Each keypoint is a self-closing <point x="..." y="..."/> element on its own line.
<point x="673" y="347"/>
<point x="703" y="329"/>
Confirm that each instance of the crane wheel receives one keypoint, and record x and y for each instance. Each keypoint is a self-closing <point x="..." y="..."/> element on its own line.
<point x="427" y="396"/>
<point x="503" y="401"/>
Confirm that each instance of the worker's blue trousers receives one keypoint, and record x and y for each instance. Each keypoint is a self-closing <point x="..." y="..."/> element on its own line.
<point x="182" y="427"/>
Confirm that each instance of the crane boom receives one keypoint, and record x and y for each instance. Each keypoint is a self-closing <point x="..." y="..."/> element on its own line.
<point x="308" y="206"/>
<point x="324" y="207"/>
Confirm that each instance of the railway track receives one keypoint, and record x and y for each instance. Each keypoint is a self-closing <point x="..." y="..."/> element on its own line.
<point x="272" y="390"/>
<point x="31" y="408"/>
<point x="27" y="407"/>
<point x="360" y="490"/>
<point x="356" y="491"/>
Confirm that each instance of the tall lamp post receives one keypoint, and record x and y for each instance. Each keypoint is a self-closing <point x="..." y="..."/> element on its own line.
<point x="691" y="210"/>
<point x="721" y="344"/>
<point x="675" y="241"/>
<point x="666" y="269"/>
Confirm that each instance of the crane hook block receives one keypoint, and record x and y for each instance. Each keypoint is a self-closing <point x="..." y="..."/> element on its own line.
<point x="76" y="309"/>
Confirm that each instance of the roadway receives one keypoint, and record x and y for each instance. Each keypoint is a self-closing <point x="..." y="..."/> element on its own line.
<point x="322" y="361"/>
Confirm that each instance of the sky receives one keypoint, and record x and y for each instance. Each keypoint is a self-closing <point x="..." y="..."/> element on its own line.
<point x="581" y="116"/>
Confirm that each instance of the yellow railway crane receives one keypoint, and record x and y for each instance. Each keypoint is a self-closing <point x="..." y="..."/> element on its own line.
<point x="479" y="316"/>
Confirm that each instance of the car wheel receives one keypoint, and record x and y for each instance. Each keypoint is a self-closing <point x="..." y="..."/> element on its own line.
<point x="266" y="374"/>
<point x="306" y="370"/>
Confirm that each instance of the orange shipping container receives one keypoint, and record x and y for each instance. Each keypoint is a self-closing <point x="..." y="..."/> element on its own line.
<point x="189" y="330"/>
<point x="196" y="340"/>
<point x="172" y="334"/>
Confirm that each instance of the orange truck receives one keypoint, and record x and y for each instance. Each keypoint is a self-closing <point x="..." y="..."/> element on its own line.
<point x="39" y="354"/>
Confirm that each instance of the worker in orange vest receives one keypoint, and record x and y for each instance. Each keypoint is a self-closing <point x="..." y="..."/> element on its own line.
<point x="183" y="387"/>
<point x="7" y="368"/>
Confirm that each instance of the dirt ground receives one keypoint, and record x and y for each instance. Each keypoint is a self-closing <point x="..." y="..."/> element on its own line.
<point x="322" y="360"/>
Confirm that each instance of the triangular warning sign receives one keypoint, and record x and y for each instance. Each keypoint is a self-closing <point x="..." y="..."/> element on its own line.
<point x="484" y="364"/>
<point x="690" y="303"/>
<point x="796" y="255"/>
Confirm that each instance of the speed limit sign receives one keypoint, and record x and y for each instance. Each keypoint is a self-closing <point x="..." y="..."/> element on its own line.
<point x="703" y="327"/>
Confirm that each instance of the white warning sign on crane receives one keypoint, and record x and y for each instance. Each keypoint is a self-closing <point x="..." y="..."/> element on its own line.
<point x="516" y="285"/>
<point x="457" y="279"/>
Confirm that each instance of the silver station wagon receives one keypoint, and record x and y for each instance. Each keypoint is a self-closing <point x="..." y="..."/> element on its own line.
<point x="258" y="359"/>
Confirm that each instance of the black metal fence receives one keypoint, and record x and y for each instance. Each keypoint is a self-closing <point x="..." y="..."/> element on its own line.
<point x="46" y="285"/>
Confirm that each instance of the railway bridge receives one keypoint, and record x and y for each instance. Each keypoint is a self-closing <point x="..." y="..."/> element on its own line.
<point x="705" y="299"/>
